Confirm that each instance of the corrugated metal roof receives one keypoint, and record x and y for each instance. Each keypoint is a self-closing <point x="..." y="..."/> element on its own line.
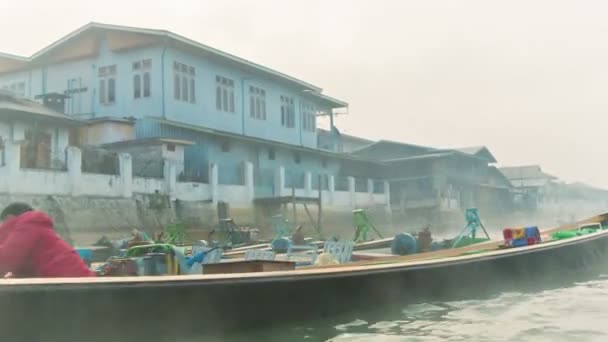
<point x="393" y="151"/>
<point x="470" y="149"/>
<point x="9" y="105"/>
<point x="480" y="151"/>
<point x="530" y="183"/>
<point x="525" y="172"/>
<point x="149" y="141"/>
<point x="424" y="156"/>
<point x="385" y="142"/>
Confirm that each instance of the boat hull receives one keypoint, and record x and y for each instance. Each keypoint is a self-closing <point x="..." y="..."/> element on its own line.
<point x="132" y="307"/>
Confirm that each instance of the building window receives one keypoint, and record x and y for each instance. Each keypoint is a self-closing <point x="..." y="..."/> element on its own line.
<point x="257" y="103"/>
<point x="225" y="146"/>
<point x="185" y="85"/>
<point x="308" y="117"/>
<point x="224" y="94"/>
<point x="287" y="112"/>
<point x="324" y="162"/>
<point x="176" y="90"/>
<point x="16" y="88"/>
<point x="171" y="147"/>
<point x="107" y="84"/>
<point x="102" y="91"/>
<point x="111" y="90"/>
<point x="141" y="78"/>
<point x="192" y="92"/>
<point x="147" y="84"/>
<point x="297" y="158"/>
<point x="136" y="86"/>
<point x="271" y="154"/>
<point x="184" y="82"/>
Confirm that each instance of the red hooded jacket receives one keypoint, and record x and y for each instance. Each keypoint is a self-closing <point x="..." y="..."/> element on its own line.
<point x="30" y="247"/>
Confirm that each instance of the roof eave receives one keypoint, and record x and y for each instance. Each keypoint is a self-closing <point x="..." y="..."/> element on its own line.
<point x="260" y="140"/>
<point x="11" y="56"/>
<point x="240" y="60"/>
<point x="24" y="115"/>
<point x="331" y="101"/>
<point x="171" y="35"/>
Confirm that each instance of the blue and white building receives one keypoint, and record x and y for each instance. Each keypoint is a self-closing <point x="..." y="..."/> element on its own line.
<point x="238" y="114"/>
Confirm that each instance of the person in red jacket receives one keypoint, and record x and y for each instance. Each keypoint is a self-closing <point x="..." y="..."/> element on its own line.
<point x="30" y="247"/>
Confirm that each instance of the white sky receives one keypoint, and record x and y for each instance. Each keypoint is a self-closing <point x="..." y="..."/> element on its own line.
<point x="528" y="79"/>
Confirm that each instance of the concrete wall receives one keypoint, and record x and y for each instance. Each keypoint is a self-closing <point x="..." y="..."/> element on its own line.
<point x="100" y="185"/>
<point x="16" y="180"/>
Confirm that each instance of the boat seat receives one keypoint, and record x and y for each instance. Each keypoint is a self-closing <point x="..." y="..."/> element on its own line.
<point x="342" y="251"/>
<point x="256" y="254"/>
<point x="302" y="255"/>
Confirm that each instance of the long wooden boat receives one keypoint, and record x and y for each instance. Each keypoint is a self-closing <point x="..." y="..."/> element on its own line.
<point x="131" y="307"/>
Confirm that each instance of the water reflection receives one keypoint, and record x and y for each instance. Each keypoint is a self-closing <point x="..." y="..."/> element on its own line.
<point x="567" y="312"/>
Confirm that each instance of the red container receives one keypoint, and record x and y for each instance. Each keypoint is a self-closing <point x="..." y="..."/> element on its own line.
<point x="507" y="233"/>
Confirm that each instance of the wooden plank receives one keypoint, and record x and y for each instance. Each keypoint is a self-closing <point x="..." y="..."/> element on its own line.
<point x="381" y="243"/>
<point x="241" y="253"/>
<point x="246" y="248"/>
<point x="247" y="266"/>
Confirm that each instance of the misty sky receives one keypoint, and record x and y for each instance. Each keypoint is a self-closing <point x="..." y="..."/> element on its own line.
<point x="528" y="79"/>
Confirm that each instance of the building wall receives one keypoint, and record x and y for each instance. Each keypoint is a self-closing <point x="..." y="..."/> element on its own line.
<point x="83" y="73"/>
<point x="104" y="133"/>
<point x="204" y="111"/>
<point x="208" y="149"/>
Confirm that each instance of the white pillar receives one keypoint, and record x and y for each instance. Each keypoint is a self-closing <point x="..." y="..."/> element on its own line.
<point x="170" y="175"/>
<point x="248" y="180"/>
<point x="213" y="182"/>
<point x="125" y="163"/>
<point x="370" y="190"/>
<point x="351" y="191"/>
<point x="308" y="183"/>
<point x="12" y="158"/>
<point x="331" y="187"/>
<point x="387" y="197"/>
<point x="279" y="181"/>
<point x="74" y="160"/>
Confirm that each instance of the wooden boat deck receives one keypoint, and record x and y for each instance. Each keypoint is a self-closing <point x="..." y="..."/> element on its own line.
<point x="430" y="259"/>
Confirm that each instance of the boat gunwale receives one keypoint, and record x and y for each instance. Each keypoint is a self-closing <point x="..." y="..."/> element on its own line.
<point x="376" y="267"/>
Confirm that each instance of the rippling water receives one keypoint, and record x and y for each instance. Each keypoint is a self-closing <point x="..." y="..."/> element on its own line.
<point x="578" y="312"/>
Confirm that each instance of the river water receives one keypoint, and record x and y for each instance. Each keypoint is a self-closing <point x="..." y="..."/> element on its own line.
<point x="575" y="312"/>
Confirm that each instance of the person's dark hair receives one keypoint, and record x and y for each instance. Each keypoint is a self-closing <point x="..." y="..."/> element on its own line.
<point x="16" y="209"/>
